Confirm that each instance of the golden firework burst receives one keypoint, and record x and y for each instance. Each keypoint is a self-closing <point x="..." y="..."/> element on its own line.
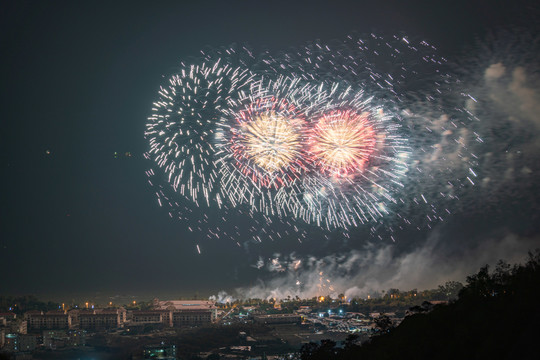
<point x="272" y="141"/>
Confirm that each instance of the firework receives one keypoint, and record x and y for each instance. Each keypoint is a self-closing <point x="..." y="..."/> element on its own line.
<point x="182" y="125"/>
<point x="267" y="141"/>
<point x="182" y="132"/>
<point x="342" y="142"/>
<point x="260" y="143"/>
<point x="324" y="153"/>
<point x="360" y="162"/>
<point x="333" y="135"/>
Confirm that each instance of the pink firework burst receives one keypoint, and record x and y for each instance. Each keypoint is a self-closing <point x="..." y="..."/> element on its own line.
<point x="341" y="142"/>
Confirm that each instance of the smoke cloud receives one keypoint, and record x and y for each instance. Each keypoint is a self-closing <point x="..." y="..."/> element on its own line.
<point x="370" y="271"/>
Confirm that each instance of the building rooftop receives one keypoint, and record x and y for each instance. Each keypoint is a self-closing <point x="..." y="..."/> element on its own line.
<point x="55" y="312"/>
<point x="184" y="305"/>
<point x="34" y="312"/>
<point x="7" y="314"/>
<point x="97" y="313"/>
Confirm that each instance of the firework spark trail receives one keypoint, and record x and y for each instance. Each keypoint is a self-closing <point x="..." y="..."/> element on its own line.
<point x="413" y="87"/>
<point x="300" y="189"/>
<point x="181" y="125"/>
<point x="333" y="135"/>
<point x="501" y="88"/>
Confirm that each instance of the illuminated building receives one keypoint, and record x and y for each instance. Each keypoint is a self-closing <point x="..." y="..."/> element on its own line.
<point x="152" y="317"/>
<point x="188" y="312"/>
<point x="102" y="319"/>
<point x="37" y="320"/>
<point x="18" y="326"/>
<point x="9" y="316"/>
<point x="11" y="343"/>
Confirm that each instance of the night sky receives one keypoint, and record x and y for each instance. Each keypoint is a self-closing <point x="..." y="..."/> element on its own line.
<point x="78" y="81"/>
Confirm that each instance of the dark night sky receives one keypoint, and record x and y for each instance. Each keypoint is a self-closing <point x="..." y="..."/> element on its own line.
<point x="79" y="79"/>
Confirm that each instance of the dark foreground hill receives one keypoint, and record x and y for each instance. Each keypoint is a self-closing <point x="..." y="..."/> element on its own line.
<point x="497" y="316"/>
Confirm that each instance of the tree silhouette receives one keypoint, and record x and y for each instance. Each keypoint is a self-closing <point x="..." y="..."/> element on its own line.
<point x="496" y="316"/>
<point x="384" y="323"/>
<point x="325" y="351"/>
